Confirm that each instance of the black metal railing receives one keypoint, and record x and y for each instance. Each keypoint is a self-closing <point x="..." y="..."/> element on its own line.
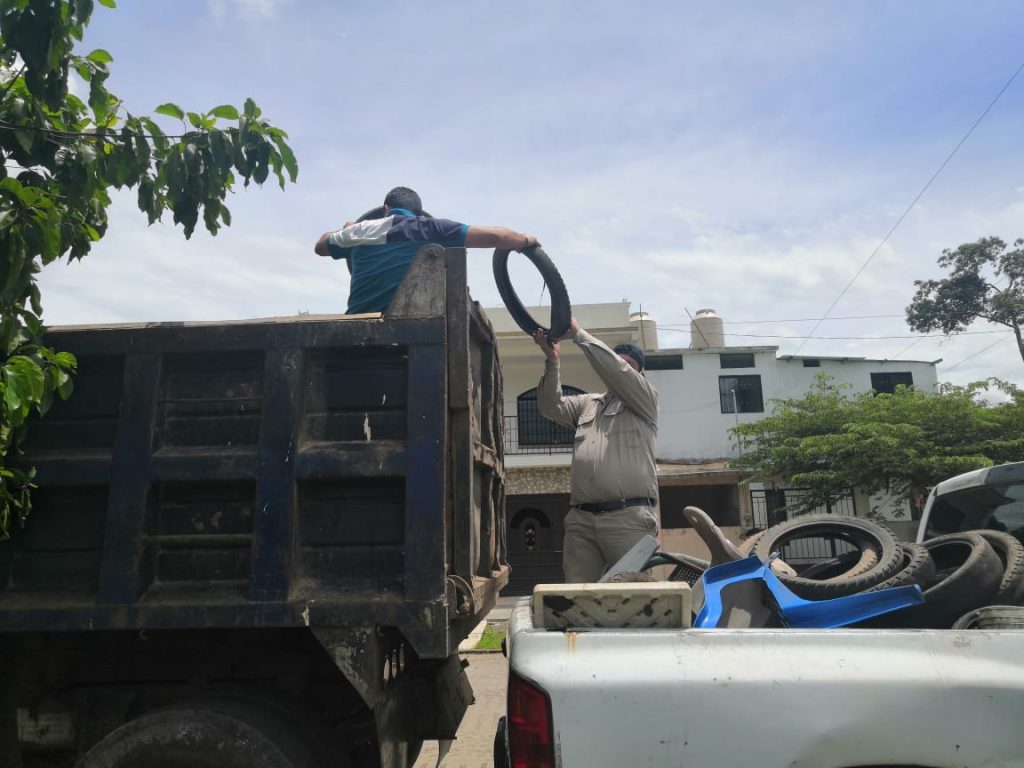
<point x="771" y="506"/>
<point x="535" y="436"/>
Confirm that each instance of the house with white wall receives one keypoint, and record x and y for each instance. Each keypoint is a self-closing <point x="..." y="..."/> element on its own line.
<point x="704" y="390"/>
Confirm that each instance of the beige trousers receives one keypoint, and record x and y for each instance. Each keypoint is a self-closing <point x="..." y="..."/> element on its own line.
<point x="594" y="542"/>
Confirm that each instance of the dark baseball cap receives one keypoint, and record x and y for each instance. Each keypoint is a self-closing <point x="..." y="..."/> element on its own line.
<point x="633" y="351"/>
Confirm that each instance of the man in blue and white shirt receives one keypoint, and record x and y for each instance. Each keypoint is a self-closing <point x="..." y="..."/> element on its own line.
<point x="379" y="251"/>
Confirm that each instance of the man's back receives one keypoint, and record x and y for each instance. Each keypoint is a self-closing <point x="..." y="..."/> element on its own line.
<point x="381" y="250"/>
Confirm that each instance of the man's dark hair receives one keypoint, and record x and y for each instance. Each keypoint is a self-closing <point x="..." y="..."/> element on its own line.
<point x="632" y="350"/>
<point x="403" y="197"/>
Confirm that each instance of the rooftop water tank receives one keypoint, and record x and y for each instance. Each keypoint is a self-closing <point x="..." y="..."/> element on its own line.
<point x="706" y="330"/>
<point x="646" y="330"/>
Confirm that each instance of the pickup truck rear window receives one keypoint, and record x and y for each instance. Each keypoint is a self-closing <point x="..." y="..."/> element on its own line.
<point x="996" y="507"/>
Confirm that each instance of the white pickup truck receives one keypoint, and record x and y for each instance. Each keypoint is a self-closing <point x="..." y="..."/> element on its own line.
<point x="776" y="698"/>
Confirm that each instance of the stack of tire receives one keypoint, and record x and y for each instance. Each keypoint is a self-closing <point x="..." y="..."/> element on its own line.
<point x="973" y="579"/>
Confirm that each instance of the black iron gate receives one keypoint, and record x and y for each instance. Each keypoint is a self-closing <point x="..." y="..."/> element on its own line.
<point x="770" y="506"/>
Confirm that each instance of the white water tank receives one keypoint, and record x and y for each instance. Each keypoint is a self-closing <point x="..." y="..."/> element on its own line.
<point x="646" y="330"/>
<point x="706" y="330"/>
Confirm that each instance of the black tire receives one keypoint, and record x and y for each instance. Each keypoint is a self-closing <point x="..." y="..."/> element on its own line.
<point x="561" y="309"/>
<point x="917" y="568"/>
<point x="501" y="758"/>
<point x="968" y="572"/>
<point x="881" y="553"/>
<point x="992" y="617"/>
<point x="1011" y="553"/>
<point x="213" y="732"/>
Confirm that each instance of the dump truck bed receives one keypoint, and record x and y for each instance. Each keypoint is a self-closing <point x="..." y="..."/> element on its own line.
<point x="318" y="471"/>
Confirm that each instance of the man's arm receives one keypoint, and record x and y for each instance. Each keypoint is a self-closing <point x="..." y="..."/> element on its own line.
<point x="499" y="237"/>
<point x="320" y="249"/>
<point x="620" y="378"/>
<point x="369" y="232"/>
<point x="550" y="401"/>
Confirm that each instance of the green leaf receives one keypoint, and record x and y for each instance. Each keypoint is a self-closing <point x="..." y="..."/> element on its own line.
<point x="84" y="70"/>
<point x="107" y="3"/>
<point x="288" y="157"/>
<point x="171" y="110"/>
<point x="100" y="56"/>
<point x="225" y="111"/>
<point x="195" y="119"/>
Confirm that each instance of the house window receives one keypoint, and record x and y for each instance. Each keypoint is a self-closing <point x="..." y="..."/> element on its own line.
<point x="664" y="363"/>
<point x="740" y="394"/>
<point x="886" y="383"/>
<point x="737" y="360"/>
<point x="534" y="429"/>
<point x="812" y="362"/>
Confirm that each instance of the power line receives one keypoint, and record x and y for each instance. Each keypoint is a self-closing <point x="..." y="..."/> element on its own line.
<point x="808" y="319"/>
<point x="911" y="206"/>
<point x="918" y="337"/>
<point x="907" y="348"/>
<point x="980" y="351"/>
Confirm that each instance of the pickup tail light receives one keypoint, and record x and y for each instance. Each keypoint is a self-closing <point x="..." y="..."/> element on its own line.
<point x="531" y="742"/>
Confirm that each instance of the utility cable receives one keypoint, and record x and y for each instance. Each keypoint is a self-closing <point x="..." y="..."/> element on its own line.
<point x="980" y="351"/>
<point x="911" y="206"/>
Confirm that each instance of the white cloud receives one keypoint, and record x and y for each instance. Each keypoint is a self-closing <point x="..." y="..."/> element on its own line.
<point x="245" y="9"/>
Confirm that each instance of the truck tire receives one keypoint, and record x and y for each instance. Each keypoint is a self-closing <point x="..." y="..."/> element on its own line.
<point x="881" y="553"/>
<point x="967" y="574"/>
<point x="211" y="733"/>
<point x="917" y="568"/>
<point x="992" y="617"/>
<point x="561" y="310"/>
<point x="1011" y="553"/>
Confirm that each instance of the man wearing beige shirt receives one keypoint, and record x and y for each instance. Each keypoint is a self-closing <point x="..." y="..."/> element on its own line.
<point x="613" y="479"/>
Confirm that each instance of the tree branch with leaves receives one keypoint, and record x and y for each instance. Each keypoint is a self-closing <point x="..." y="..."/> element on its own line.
<point x="60" y="158"/>
<point x="900" y="444"/>
<point x="972" y="290"/>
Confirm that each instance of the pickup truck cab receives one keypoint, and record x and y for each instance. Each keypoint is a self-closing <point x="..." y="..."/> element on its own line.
<point x="740" y="698"/>
<point x="991" y="498"/>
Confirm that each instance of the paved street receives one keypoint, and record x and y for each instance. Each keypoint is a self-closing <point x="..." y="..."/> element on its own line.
<point x="488" y="674"/>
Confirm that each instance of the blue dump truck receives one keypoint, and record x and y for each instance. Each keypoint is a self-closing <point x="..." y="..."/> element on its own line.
<point x="258" y="543"/>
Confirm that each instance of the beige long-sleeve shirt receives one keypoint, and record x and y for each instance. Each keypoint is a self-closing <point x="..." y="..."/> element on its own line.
<point x="613" y="452"/>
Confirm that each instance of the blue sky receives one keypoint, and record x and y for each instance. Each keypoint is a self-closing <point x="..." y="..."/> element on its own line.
<point x="744" y="156"/>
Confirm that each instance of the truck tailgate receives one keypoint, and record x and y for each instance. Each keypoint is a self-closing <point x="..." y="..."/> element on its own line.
<point x="773" y="698"/>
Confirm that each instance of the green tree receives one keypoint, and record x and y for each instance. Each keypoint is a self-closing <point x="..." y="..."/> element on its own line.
<point x="830" y="440"/>
<point x="60" y="158"/>
<point x="972" y="290"/>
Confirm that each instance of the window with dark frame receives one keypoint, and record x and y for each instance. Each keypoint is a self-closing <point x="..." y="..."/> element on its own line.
<point x="736" y="359"/>
<point x="812" y="362"/>
<point x="886" y="383"/>
<point x="740" y="394"/>
<point x="533" y="428"/>
<point x="664" y="363"/>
